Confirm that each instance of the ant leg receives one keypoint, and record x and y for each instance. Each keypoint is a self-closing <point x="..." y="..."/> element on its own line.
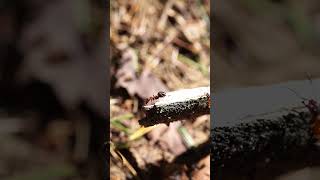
<point x="304" y="103"/>
<point x="146" y="102"/>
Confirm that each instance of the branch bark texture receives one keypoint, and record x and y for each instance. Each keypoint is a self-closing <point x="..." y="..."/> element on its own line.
<point x="178" y="105"/>
<point x="248" y="149"/>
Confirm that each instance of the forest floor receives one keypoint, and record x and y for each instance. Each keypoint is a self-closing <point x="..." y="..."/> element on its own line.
<point x="158" y="46"/>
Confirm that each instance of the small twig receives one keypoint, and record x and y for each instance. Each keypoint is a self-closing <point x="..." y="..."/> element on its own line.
<point x="178" y="105"/>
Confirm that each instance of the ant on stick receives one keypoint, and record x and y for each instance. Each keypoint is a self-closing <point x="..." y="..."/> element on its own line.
<point x="313" y="107"/>
<point x="152" y="98"/>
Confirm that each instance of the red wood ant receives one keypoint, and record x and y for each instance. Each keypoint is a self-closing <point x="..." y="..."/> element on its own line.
<point x="313" y="107"/>
<point x="152" y="98"/>
<point x="209" y="100"/>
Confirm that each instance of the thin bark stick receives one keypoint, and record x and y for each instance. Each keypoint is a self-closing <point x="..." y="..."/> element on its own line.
<point x="178" y="105"/>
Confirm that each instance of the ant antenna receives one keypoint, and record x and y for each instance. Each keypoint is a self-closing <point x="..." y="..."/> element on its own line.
<point x="312" y="86"/>
<point x="297" y="94"/>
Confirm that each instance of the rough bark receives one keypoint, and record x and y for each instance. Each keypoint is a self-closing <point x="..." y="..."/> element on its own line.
<point x="264" y="148"/>
<point x="178" y="105"/>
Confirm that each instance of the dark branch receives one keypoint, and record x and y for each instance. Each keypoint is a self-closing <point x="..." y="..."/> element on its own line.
<point x="241" y="147"/>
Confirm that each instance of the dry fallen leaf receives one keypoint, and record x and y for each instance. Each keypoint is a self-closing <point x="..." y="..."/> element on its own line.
<point x="172" y="140"/>
<point x="144" y="85"/>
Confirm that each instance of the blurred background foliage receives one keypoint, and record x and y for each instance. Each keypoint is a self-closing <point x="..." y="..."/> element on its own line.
<point x="265" y="42"/>
<point x="52" y="89"/>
